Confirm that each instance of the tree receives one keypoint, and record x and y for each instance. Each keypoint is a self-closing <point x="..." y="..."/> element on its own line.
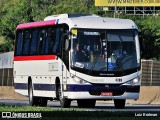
<point x="23" y="11"/>
<point x="150" y="29"/>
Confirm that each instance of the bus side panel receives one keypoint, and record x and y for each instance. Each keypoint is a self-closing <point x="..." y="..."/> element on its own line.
<point x="21" y="85"/>
<point x="43" y="74"/>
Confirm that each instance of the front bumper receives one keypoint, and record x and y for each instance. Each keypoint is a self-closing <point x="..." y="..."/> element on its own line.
<point x="94" y="91"/>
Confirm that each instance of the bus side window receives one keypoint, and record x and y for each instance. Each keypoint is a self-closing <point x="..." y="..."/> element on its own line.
<point x="26" y="43"/>
<point x="53" y="34"/>
<point x="48" y="40"/>
<point x="34" y="42"/>
<point x="60" y="41"/>
<point x="19" y="41"/>
<point x="57" y="41"/>
<point x="41" y="42"/>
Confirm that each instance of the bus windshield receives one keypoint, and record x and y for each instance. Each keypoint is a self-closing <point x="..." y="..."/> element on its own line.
<point x="105" y="50"/>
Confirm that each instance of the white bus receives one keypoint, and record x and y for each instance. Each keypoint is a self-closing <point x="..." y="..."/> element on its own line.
<point x="77" y="57"/>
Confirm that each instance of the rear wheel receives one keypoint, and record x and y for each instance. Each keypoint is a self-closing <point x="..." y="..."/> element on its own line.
<point x="86" y="103"/>
<point x="119" y="103"/>
<point x="35" y="101"/>
<point x="65" y="102"/>
<point x="32" y="100"/>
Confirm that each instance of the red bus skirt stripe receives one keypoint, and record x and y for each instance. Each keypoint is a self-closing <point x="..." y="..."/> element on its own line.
<point x="30" y="58"/>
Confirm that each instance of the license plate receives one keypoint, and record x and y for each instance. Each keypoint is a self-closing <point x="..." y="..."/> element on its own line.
<point x="106" y="94"/>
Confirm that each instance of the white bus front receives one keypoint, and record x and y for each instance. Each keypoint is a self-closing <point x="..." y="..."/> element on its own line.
<point x="105" y="64"/>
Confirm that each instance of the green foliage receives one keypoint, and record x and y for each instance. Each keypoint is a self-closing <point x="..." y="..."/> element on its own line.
<point x="150" y="29"/>
<point x="5" y="44"/>
<point x="14" y="12"/>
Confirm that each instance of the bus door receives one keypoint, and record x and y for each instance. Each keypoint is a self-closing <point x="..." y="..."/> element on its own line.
<point x="65" y="57"/>
<point x="59" y="49"/>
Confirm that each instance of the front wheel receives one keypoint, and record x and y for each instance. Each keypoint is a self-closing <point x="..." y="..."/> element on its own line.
<point x="86" y="103"/>
<point x="64" y="102"/>
<point x="119" y="103"/>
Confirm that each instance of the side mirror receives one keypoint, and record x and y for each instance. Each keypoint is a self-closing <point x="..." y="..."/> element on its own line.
<point x="67" y="45"/>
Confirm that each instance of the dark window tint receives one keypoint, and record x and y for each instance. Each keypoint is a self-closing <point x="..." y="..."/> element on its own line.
<point x="19" y="42"/>
<point x="49" y="41"/>
<point x="34" y="42"/>
<point x="41" y="41"/>
<point x="26" y="43"/>
<point x="58" y="42"/>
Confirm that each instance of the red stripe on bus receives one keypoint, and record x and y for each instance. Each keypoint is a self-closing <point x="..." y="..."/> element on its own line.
<point x="36" y="24"/>
<point x="30" y="58"/>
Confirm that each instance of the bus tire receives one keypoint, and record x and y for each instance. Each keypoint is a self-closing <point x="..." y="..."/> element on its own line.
<point x="119" y="103"/>
<point x="87" y="103"/>
<point x="33" y="101"/>
<point x="57" y="88"/>
<point x="64" y="102"/>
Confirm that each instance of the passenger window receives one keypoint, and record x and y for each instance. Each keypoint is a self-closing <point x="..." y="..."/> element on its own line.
<point x="41" y="41"/>
<point x="26" y="43"/>
<point x="58" y="41"/>
<point x="52" y="37"/>
<point x="34" y="42"/>
<point x="19" y="43"/>
<point x="49" y="41"/>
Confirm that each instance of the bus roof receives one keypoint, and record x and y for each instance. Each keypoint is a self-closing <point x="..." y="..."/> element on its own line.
<point x="92" y="21"/>
<point x="103" y="23"/>
<point x="83" y="21"/>
<point x="36" y="24"/>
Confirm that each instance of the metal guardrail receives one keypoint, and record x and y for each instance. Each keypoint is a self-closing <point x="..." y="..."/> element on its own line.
<point x="150" y="73"/>
<point x="6" y="77"/>
<point x="6" y="69"/>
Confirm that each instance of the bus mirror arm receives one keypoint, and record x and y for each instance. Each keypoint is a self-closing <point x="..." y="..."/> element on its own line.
<point x="141" y="42"/>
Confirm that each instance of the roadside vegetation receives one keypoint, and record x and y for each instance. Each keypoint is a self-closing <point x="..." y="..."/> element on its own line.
<point x="15" y="108"/>
<point x="22" y="11"/>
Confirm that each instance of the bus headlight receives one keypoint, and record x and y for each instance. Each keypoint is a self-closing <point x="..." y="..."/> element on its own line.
<point x="134" y="81"/>
<point x="78" y="80"/>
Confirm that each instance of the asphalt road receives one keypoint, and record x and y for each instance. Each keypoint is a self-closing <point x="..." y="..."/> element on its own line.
<point x="100" y="106"/>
